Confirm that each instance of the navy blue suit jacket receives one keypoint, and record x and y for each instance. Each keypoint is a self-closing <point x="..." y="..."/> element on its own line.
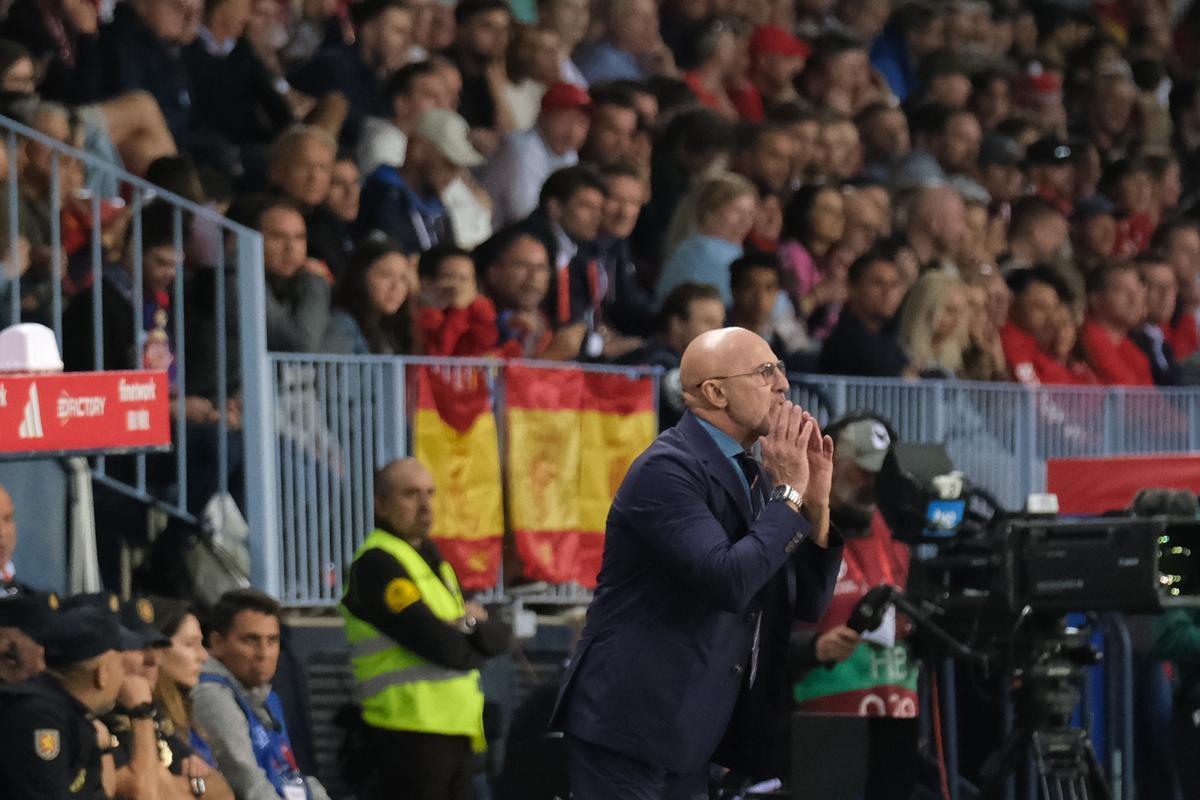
<point x="665" y="653"/>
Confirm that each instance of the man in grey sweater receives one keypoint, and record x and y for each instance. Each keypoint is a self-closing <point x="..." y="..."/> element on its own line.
<point x="236" y="708"/>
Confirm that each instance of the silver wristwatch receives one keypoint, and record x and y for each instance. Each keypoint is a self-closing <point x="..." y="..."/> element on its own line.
<point x="787" y="494"/>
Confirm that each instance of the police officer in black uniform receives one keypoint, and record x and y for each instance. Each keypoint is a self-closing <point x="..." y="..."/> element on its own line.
<point x="51" y="748"/>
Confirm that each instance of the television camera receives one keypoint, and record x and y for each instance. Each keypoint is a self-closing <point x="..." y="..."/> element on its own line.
<point x="993" y="588"/>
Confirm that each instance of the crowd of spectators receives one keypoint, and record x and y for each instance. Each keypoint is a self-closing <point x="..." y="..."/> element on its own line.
<point x="966" y="189"/>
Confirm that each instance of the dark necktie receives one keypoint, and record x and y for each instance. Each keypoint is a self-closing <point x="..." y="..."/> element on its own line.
<point x="750" y="469"/>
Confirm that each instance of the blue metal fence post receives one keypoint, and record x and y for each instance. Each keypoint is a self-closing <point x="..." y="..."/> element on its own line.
<point x="258" y="403"/>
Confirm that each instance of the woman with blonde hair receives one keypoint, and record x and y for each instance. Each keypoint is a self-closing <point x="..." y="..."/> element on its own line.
<point x="933" y="325"/>
<point x="724" y="212"/>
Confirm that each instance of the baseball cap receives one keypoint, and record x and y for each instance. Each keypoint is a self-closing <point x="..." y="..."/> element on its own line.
<point x="867" y="441"/>
<point x="447" y="131"/>
<point x="137" y="616"/>
<point x="777" y="41"/>
<point x="1096" y="205"/>
<point x="84" y="627"/>
<point x="27" y="609"/>
<point x="999" y="150"/>
<point x="563" y="96"/>
<point x="1049" y="150"/>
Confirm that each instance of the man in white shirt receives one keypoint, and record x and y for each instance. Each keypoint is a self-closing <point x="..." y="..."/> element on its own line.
<point x="413" y="90"/>
<point x="515" y="175"/>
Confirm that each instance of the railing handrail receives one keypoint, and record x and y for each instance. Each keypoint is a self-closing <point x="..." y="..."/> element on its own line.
<point x="16" y="128"/>
<point x="466" y="363"/>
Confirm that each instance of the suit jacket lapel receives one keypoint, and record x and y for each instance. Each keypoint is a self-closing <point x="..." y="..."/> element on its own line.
<point x="720" y="467"/>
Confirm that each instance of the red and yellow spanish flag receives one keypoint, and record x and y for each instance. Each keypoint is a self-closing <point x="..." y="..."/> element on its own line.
<point x="571" y="437"/>
<point x="454" y="436"/>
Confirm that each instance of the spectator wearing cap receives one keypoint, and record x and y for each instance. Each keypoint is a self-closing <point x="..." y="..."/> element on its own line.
<point x="883" y="130"/>
<point x="835" y="669"/>
<point x="160" y="765"/>
<point x="359" y="71"/>
<point x="1052" y="171"/>
<point x="632" y="47"/>
<point x="405" y="202"/>
<point x="51" y="747"/>
<point x="615" y="122"/>
<point x="23" y="613"/>
<point x="1093" y="232"/>
<point x="1116" y="307"/>
<point x="1029" y="334"/>
<point x="514" y="176"/>
<point x="1162" y="295"/>
<point x="409" y="93"/>
<point x="864" y="340"/>
<point x="235" y="704"/>
<point x="776" y="58"/>
<point x="480" y="44"/>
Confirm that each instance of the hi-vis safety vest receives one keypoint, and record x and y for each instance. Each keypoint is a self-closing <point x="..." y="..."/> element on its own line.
<point x="398" y="689"/>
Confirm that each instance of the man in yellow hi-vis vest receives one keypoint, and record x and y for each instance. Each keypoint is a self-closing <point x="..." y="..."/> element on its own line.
<point x="416" y="647"/>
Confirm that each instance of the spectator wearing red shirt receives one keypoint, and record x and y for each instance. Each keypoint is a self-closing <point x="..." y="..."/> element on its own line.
<point x="1028" y="336"/>
<point x="1179" y="242"/>
<point x="1116" y="306"/>
<point x="776" y="58"/>
<point x="712" y="60"/>
<point x="455" y="319"/>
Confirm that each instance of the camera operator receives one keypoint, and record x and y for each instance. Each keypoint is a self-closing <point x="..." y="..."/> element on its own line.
<point x="837" y="670"/>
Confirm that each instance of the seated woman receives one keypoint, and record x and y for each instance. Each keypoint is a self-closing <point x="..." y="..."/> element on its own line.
<point x="933" y="325"/>
<point x="724" y="211"/>
<point x="178" y="672"/>
<point x="375" y="305"/>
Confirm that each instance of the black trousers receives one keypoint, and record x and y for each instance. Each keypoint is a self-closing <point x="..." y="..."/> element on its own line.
<point x="1186" y="733"/>
<point x="421" y="766"/>
<point x="598" y="773"/>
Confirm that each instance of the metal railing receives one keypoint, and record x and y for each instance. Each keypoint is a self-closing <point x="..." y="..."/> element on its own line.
<point x="161" y="480"/>
<point x="1000" y="435"/>
<point x="335" y="420"/>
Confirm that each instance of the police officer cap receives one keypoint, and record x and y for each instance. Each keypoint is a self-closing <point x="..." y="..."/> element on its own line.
<point x="26" y="609"/>
<point x="85" y="627"/>
<point x="137" y="615"/>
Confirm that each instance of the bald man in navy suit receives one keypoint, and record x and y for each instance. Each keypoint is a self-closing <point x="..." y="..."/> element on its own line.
<point x="708" y="557"/>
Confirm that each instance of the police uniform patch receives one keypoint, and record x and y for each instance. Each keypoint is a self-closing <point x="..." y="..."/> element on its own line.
<point x="145" y="611"/>
<point x="77" y="784"/>
<point x="47" y="743"/>
<point x="399" y="594"/>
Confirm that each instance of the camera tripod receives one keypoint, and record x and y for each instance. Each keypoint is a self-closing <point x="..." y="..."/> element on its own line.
<point x="1047" y="685"/>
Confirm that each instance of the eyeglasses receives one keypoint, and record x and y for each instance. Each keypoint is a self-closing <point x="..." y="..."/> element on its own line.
<point x="766" y="372"/>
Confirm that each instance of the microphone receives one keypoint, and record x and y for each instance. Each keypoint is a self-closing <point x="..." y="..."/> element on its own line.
<point x="868" y="615"/>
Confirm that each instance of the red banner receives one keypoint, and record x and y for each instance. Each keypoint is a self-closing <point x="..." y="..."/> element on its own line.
<point x="1096" y="485"/>
<point x="83" y="412"/>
